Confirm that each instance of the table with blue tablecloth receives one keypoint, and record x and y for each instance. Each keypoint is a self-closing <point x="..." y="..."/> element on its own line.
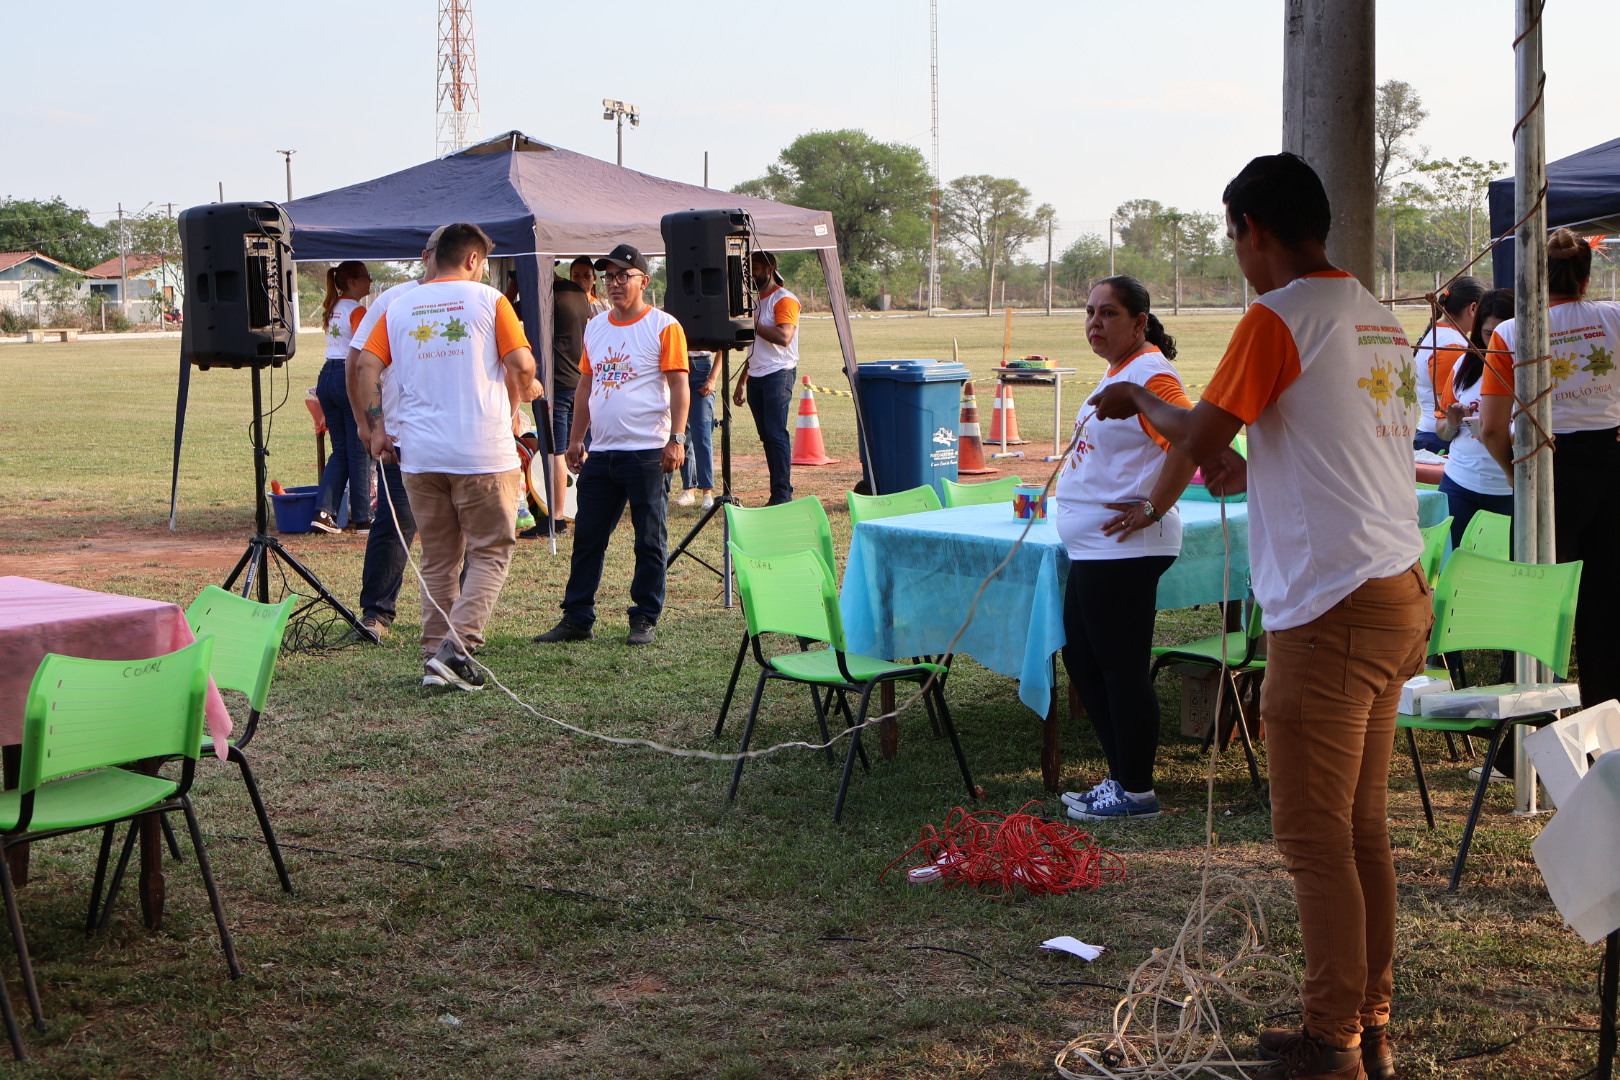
<point x="911" y="581"/>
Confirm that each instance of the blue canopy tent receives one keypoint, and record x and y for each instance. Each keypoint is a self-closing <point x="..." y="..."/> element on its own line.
<point x="1583" y="193"/>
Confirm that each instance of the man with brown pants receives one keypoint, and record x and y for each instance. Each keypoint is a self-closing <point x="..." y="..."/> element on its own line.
<point x="461" y="364"/>
<point x="1333" y="546"/>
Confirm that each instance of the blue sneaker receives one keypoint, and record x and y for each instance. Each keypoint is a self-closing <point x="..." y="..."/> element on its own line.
<point x="1081" y="800"/>
<point x="1114" y="806"/>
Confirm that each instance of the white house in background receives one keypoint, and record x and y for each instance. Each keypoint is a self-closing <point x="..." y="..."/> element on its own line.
<point x="150" y="278"/>
<point x="20" y="271"/>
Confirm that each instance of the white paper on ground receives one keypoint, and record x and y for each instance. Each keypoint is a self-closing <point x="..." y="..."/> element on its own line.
<point x="1074" y="945"/>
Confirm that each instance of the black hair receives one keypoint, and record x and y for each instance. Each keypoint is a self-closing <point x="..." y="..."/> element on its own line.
<point x="1283" y="193"/>
<point x="1496" y="304"/>
<point x="337" y="279"/>
<point x="1454" y="301"/>
<point x="459" y="239"/>
<point x="1134" y="297"/>
<point x="1569" y="263"/>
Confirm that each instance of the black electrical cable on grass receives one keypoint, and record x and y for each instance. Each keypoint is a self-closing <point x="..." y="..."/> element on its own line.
<point x="580" y="894"/>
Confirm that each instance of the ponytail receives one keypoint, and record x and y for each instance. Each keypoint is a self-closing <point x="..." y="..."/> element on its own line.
<point x="1157" y="336"/>
<point x="331" y="296"/>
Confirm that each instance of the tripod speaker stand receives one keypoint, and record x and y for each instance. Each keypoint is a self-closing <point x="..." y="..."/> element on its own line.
<point x="723" y="571"/>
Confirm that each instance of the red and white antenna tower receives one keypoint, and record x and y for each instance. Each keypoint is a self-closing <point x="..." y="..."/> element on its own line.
<point x="458" y="77"/>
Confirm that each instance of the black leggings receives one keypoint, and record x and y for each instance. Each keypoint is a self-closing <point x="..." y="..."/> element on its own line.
<point x="1108" y="612"/>
<point x="1586" y="513"/>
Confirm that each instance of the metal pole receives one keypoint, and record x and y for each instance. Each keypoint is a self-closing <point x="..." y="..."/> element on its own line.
<point x="1533" y="539"/>
<point x="287" y="154"/>
<point x="1110" y="247"/>
<point x="123" y="267"/>
<point x="705" y="168"/>
<point x="619" y="127"/>
<point x="1049" y="268"/>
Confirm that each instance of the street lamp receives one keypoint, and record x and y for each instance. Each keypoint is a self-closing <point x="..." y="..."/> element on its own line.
<point x="287" y="154"/>
<point x="620" y="111"/>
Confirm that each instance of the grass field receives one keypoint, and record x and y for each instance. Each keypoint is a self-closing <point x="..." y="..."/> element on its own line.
<point x="481" y="894"/>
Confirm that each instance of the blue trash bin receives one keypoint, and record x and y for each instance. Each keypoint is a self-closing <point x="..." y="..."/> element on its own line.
<point x="913" y="412"/>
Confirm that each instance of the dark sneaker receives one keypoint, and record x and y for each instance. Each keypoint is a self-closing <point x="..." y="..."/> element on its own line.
<point x="538" y="531"/>
<point x="1114" y="805"/>
<point x="1376" y="1058"/>
<point x="1296" y="1055"/>
<point x="1082" y="800"/>
<point x="455" y="669"/>
<point x="325" y="522"/>
<point x="564" y="631"/>
<point x="641" y="632"/>
<point x="362" y="529"/>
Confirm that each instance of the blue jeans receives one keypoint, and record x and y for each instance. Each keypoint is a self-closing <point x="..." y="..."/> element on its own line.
<point x="609" y="480"/>
<point x="1464" y="504"/>
<point x="562" y="417"/>
<point x="768" y="399"/>
<point x="697" y="471"/>
<point x="1428" y="440"/>
<point x="386" y="548"/>
<point x="349" y="463"/>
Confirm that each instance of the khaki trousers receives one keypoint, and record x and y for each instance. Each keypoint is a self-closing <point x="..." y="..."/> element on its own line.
<point x="1328" y="702"/>
<point x="463" y="516"/>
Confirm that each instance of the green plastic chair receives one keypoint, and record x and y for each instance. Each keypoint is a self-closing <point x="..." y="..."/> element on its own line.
<point x="1434" y="549"/>
<point x="1233" y="653"/>
<point x="1486" y="603"/>
<point x="991" y="491"/>
<point x="1489" y="534"/>
<point x="84" y="719"/>
<point x="796" y="594"/>
<point x="247" y="640"/>
<point x="800" y="525"/>
<point x="872" y="507"/>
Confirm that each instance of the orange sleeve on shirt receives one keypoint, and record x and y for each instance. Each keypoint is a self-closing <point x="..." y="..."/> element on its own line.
<point x="1166" y="387"/>
<point x="356" y="317"/>
<point x="378" y="341"/>
<point x="672" y="348"/>
<point x="1497" y="379"/>
<point x="787" y="312"/>
<point x="509" y="333"/>
<point x="1261" y="362"/>
<point x="584" y="361"/>
<point x="1445" y="366"/>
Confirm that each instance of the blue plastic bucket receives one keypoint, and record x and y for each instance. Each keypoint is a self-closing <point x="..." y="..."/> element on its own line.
<point x="296" y="509"/>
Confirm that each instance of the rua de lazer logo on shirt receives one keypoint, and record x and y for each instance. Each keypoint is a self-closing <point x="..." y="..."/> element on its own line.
<point x="614" y="371"/>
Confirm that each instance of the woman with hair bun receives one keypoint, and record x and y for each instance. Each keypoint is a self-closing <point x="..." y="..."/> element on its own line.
<point x="349" y="463"/>
<point x="1437" y="354"/>
<point x="1116" y="514"/>
<point x="1584" y="336"/>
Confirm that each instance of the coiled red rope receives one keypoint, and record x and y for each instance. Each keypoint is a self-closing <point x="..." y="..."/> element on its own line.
<point x="996" y="853"/>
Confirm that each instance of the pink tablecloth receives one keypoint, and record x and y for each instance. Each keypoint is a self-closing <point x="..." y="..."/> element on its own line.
<point x="37" y="617"/>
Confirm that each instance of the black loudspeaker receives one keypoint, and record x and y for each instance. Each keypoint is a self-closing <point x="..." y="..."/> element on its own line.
<point x="240" y="285"/>
<point x="711" y="291"/>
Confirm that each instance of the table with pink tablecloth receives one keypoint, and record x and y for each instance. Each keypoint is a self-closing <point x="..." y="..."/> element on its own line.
<point x="38" y="617"/>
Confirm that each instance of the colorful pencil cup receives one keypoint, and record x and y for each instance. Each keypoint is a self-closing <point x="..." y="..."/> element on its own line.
<point x="1029" y="501"/>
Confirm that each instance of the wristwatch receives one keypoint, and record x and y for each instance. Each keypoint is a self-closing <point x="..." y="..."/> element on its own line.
<point x="679" y="438"/>
<point x="1152" y="514"/>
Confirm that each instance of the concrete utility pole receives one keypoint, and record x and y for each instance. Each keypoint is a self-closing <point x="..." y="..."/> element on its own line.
<point x="1328" y="103"/>
<point x="287" y="154"/>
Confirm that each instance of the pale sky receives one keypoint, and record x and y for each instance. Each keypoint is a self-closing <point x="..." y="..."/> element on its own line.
<point x="1087" y="104"/>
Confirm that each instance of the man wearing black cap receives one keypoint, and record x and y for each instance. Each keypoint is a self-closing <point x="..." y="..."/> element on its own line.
<point x="767" y="380"/>
<point x="635" y="411"/>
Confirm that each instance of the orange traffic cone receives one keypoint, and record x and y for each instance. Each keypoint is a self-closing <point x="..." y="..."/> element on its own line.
<point x="808" y="448"/>
<point x="1004" y="412"/>
<point x="969" y="447"/>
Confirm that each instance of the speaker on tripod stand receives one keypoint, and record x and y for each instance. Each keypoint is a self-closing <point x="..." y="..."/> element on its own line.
<point x="240" y="286"/>
<point x="711" y="294"/>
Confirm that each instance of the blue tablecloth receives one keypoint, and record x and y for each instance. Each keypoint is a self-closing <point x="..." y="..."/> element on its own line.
<point x="911" y="580"/>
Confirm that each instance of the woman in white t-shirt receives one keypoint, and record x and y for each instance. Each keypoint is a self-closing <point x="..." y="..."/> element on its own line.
<point x="1437" y="353"/>
<point x="1473" y="480"/>
<point x="1117" y="518"/>
<point x="349" y="464"/>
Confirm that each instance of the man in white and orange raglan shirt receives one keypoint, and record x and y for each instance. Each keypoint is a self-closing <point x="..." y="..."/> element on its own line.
<point x="637" y="396"/>
<point x="459" y="364"/>
<point x="767" y="380"/>
<point x="1322" y="375"/>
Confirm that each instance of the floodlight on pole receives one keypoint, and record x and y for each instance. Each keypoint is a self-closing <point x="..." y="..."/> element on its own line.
<point x="620" y="111"/>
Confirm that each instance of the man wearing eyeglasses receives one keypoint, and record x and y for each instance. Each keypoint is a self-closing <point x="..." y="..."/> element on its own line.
<point x="635" y="410"/>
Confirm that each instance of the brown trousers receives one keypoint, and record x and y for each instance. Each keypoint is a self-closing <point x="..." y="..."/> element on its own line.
<point x="1329" y="702"/>
<point x="463" y="516"/>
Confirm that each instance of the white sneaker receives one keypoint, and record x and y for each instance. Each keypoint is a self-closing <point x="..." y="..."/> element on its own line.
<point x="708" y="501"/>
<point x="1496" y="777"/>
<point x="685" y="498"/>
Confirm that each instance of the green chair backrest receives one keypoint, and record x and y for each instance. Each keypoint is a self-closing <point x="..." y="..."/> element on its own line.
<point x="789" y="594"/>
<point x="247" y="639"/>
<point x="87" y="714"/>
<point x="1486" y="603"/>
<point x="872" y="507"/>
<point x="1488" y="533"/>
<point x="992" y="491"/>
<point x="768" y="531"/>
<point x="1434" y="549"/>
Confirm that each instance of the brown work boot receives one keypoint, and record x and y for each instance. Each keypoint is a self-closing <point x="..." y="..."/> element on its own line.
<point x="1376" y="1057"/>
<point x="1297" y="1055"/>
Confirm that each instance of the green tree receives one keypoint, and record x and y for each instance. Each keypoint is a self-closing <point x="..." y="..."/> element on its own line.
<point x="54" y="229"/>
<point x="990" y="217"/>
<point x="1083" y="262"/>
<point x="1144" y="226"/>
<point x="1456" y="197"/>
<point x="1397" y="115"/>
<point x="878" y="193"/>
